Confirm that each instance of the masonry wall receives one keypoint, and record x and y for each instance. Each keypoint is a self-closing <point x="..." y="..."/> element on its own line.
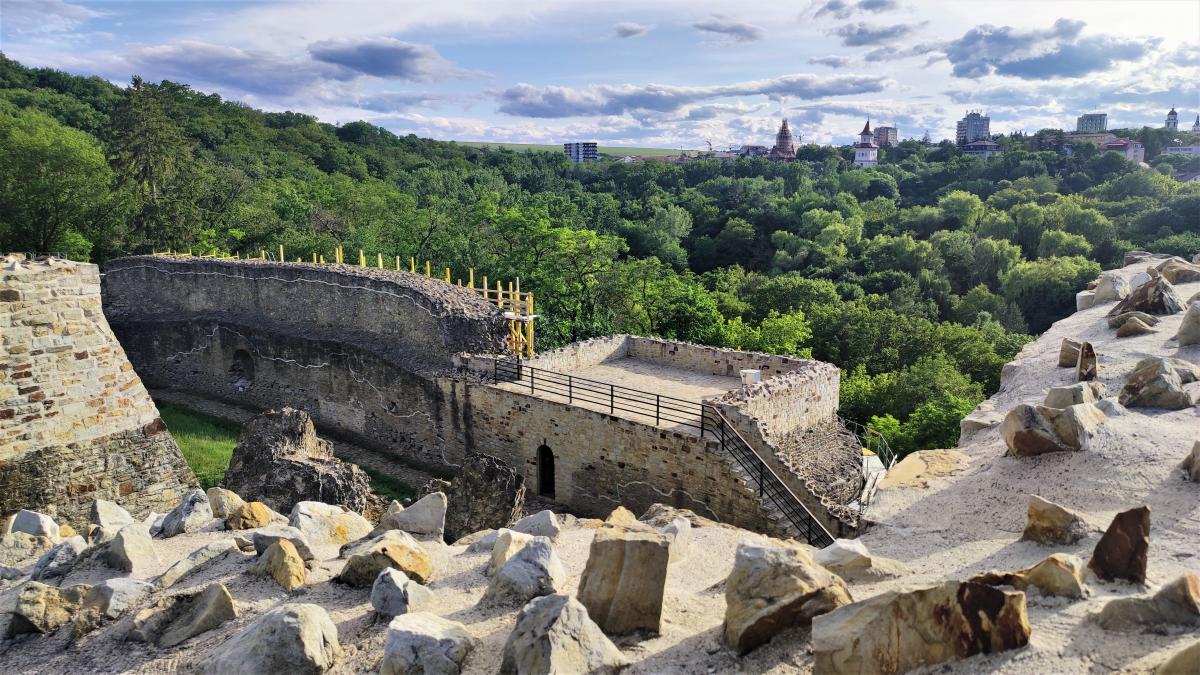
<point x="76" y="422"/>
<point x="711" y="360"/>
<point x="602" y="461"/>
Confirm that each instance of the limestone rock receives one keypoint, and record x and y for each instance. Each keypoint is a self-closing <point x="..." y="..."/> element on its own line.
<point x="554" y="634"/>
<point x="1084" y="300"/>
<point x="393" y="594"/>
<point x="425" y="644"/>
<point x="297" y="639"/>
<point x="248" y="516"/>
<point x="65" y="531"/>
<point x="506" y="546"/>
<point x="1157" y="383"/>
<point x="282" y="563"/>
<point x="394" y="548"/>
<point x="1033" y="430"/>
<point x="132" y="550"/>
<point x="534" y="571"/>
<point x="59" y="560"/>
<point x="850" y="560"/>
<point x="34" y="523"/>
<point x="108" y="600"/>
<point x="42" y="609"/>
<point x="1061" y="574"/>
<point x="154" y="522"/>
<point x="223" y="502"/>
<point x="1191" y="464"/>
<point x="1088" y="367"/>
<point x="10" y="573"/>
<point x="473" y="538"/>
<point x="1112" y="287"/>
<point x="1176" y="604"/>
<point x="280" y="459"/>
<point x="540" y="524"/>
<point x="328" y="523"/>
<point x="679" y="533"/>
<point x="196" y="561"/>
<point x="1068" y="353"/>
<point x="19" y="546"/>
<point x="1121" y="553"/>
<point x="1120" y="319"/>
<point x="394" y="507"/>
<point x="245" y="544"/>
<point x="624" y="579"/>
<point x="424" y="518"/>
<point x="1051" y="524"/>
<point x="897" y="631"/>
<point x="268" y="535"/>
<point x="1156" y="296"/>
<point x="622" y="517"/>
<point x="178" y="618"/>
<point x="1178" y="271"/>
<point x="486" y="493"/>
<point x="1134" y="327"/>
<point x="1183" y="662"/>
<point x="1074" y="394"/>
<point x="190" y="515"/>
<point x="1189" y="328"/>
<point x="107" y="517"/>
<point x="773" y="588"/>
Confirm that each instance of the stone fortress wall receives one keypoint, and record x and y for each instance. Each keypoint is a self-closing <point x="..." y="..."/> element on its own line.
<point x="401" y="364"/>
<point x="76" y="423"/>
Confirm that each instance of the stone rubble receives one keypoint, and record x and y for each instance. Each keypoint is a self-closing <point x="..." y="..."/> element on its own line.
<point x="1175" y="604"/>
<point x="1051" y="524"/>
<point x="282" y="563"/>
<point x="1159" y="383"/>
<point x="1033" y="430"/>
<point x="424" y="518"/>
<point x="1155" y="296"/>
<point x="43" y="609"/>
<point x="507" y="543"/>
<point x="850" y="560"/>
<point x="425" y="644"/>
<point x="223" y="502"/>
<point x="1122" y="552"/>
<point x="1189" y="328"/>
<point x="394" y="548"/>
<point x="190" y="515"/>
<point x="297" y="639"/>
<point x="177" y="618"/>
<point x="105" y="519"/>
<point x="328" y="523"/>
<point x="248" y="516"/>
<point x="534" y="571"/>
<point x="1191" y="464"/>
<point x="196" y="561"/>
<point x="485" y="494"/>
<point x="1060" y="574"/>
<point x="108" y="600"/>
<point x="132" y="551"/>
<point x="625" y="579"/>
<point x="393" y="594"/>
<point x="554" y="634"/>
<point x="58" y="561"/>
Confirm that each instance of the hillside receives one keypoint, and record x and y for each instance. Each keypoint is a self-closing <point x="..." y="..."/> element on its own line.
<point x="919" y="278"/>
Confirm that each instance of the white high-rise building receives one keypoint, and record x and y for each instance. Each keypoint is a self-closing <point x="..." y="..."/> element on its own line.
<point x="1092" y="123"/>
<point x="975" y="126"/>
<point x="581" y="152"/>
<point x="866" y="153"/>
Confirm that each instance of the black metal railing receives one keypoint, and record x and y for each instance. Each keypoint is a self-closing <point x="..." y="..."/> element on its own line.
<point x="607" y="396"/>
<point x="769" y="485"/>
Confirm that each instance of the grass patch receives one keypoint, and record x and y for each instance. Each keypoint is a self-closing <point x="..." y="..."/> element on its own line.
<point x="206" y="441"/>
<point x="389" y="487"/>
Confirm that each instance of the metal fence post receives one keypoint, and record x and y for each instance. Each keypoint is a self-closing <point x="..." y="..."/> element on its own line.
<point x="702" y="426"/>
<point x="570" y="389"/>
<point x="760" y="478"/>
<point x="612" y="397"/>
<point x="658" y="407"/>
<point x="531" y="372"/>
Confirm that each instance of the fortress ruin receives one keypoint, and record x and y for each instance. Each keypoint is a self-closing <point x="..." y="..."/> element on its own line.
<point x="419" y="371"/>
<point x="76" y="424"/>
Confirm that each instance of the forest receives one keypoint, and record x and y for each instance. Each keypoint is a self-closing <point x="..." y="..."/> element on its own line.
<point x="919" y="278"/>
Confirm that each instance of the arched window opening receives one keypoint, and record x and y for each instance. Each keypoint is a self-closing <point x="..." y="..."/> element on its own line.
<point x="545" y="473"/>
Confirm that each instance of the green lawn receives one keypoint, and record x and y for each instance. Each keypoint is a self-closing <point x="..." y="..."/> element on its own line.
<point x="207" y="442"/>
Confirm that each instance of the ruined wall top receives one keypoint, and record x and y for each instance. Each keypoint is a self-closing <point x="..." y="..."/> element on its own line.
<point x="425" y="319"/>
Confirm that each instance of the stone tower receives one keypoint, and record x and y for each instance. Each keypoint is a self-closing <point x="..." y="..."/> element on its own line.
<point x="76" y="424"/>
<point x="1173" y="120"/>
<point x="785" y="148"/>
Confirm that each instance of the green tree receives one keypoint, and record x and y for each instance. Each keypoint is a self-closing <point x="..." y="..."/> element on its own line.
<point x="1044" y="290"/>
<point x="55" y="187"/>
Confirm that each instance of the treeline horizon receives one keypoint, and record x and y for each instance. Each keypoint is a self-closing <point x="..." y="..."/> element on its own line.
<point x="919" y="278"/>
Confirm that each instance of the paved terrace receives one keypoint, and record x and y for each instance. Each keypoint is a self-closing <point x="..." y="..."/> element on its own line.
<point x="636" y="383"/>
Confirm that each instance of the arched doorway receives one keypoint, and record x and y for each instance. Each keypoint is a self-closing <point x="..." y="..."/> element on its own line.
<point x="545" y="472"/>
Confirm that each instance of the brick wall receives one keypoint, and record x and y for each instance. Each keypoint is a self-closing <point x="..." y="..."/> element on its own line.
<point x="76" y="422"/>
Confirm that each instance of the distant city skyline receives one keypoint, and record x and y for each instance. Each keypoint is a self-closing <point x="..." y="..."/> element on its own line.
<point x="663" y="74"/>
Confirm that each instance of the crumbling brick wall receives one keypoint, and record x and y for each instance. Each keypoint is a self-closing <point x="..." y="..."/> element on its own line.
<point x="75" y="421"/>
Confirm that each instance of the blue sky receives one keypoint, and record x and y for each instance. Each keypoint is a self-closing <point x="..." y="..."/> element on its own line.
<point x="667" y="73"/>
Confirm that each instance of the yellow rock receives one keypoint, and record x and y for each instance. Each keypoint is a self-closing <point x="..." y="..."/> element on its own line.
<point x="248" y="516"/>
<point x="282" y="562"/>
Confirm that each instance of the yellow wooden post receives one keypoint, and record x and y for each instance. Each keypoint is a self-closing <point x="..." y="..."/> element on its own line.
<point x="412" y="264"/>
<point x="428" y="270"/>
<point x="322" y="260"/>
<point x="362" y="258"/>
<point x="337" y="255"/>
<point x="448" y="276"/>
<point x="485" y="287"/>
<point x="262" y="254"/>
<point x="529" y="326"/>
<point x="397" y="263"/>
<point x="379" y="260"/>
<point x="281" y="258"/>
<point x="499" y="294"/>
<point x="471" y="277"/>
<point x="314" y="257"/>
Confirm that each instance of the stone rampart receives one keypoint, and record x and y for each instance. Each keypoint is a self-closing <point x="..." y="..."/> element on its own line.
<point x="712" y="360"/>
<point x="76" y="422"/>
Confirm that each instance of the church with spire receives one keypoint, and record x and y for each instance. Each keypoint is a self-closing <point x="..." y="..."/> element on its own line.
<point x="785" y="149"/>
<point x="866" y="153"/>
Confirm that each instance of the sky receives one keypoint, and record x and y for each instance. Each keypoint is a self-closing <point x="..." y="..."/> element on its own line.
<point x="660" y="73"/>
